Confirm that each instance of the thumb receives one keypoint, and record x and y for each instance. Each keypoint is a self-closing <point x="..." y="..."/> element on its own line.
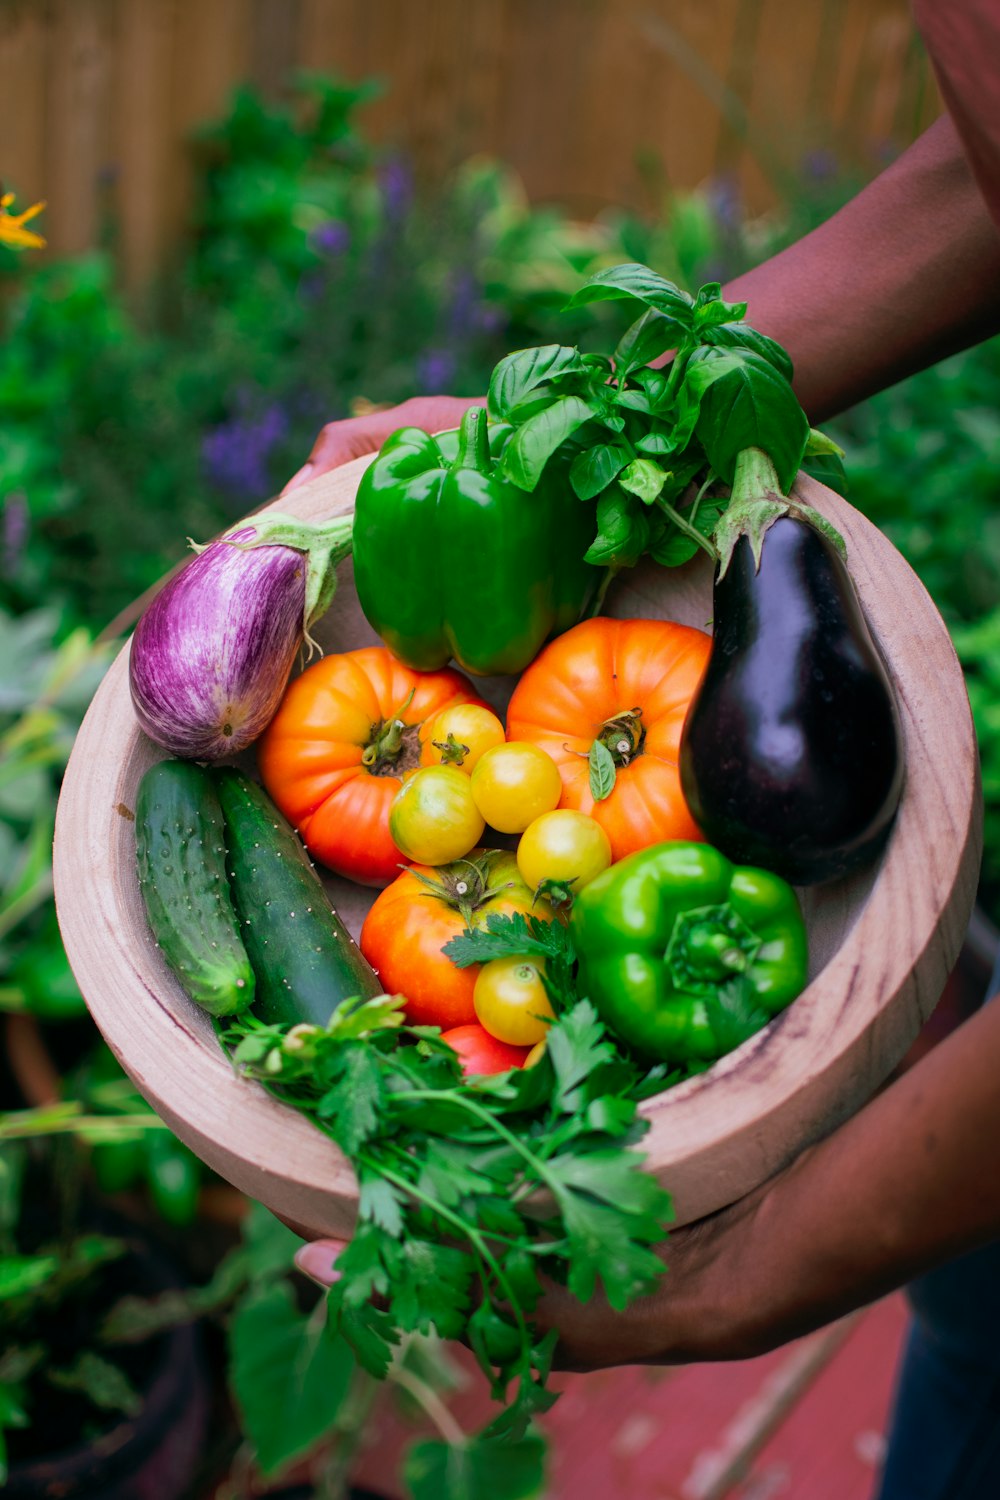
<point x="316" y="1259"/>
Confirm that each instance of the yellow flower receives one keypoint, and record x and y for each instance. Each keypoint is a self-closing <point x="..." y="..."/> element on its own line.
<point x="12" y="230"/>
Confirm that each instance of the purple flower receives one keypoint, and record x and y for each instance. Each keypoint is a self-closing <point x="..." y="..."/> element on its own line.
<point x="464" y="302"/>
<point x="435" y="371"/>
<point x="331" y="238"/>
<point x="14" y="529"/>
<point x="396" y="181"/>
<point x="235" y="454"/>
<point x="725" y="202"/>
<point x="820" y="165"/>
<point x="489" y="319"/>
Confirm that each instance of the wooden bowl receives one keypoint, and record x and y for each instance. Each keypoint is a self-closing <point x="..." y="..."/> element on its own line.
<point x="882" y="942"/>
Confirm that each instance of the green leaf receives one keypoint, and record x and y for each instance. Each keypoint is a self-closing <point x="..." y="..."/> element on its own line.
<point x="290" y="1373"/>
<point x="478" y="1469"/>
<point x="601" y="1247"/>
<point x="22" y="1273"/>
<point x="602" y="771"/>
<point x="506" y="934"/>
<point x="368" y="1330"/>
<point x="576" y="1046"/>
<point x="532" y="445"/>
<point x="744" y="402"/>
<point x="828" y="469"/>
<point x="742" y="336"/>
<point x="648" y="337"/>
<point x="595" y="468"/>
<point x="733" y="1013"/>
<point x="622" y="530"/>
<point x="103" y="1383"/>
<point x="431" y="1287"/>
<point x="352" y="1106"/>
<point x="518" y="374"/>
<point x="709" y="308"/>
<point x="676" y="547"/>
<point x="381" y="1202"/>
<point x="642" y="284"/>
<point x="644" y="479"/>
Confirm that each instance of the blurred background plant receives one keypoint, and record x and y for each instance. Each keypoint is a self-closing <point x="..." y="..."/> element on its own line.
<point x="320" y="276"/>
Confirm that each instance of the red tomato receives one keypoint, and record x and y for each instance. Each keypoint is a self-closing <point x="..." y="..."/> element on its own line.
<point x="334" y="755"/>
<point x="481" y="1053"/>
<point x="627" y="683"/>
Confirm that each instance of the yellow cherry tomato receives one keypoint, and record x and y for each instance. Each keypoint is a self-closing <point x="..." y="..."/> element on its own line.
<point x="460" y="736"/>
<point x="565" y="847"/>
<point x="433" y="818"/>
<point x="511" y="1000"/>
<point x="513" y="784"/>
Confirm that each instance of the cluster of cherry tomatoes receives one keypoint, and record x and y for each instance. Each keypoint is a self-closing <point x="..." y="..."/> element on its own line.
<point x="394" y="778"/>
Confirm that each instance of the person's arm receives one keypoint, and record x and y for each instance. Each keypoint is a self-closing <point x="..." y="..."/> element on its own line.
<point x="909" y="1182"/>
<point x="905" y="274"/>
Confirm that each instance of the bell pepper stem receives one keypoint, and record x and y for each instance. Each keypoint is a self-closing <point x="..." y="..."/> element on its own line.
<point x="473" y="441"/>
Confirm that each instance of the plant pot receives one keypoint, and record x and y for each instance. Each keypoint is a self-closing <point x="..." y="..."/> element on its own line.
<point x="153" y="1456"/>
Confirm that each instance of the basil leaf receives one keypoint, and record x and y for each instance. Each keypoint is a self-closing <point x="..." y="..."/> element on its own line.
<point x="635" y="401"/>
<point x="649" y="336"/>
<point x="818" y="443"/>
<point x="622" y="530"/>
<point x="744" y="402"/>
<point x="710" y="309"/>
<point x="633" y="280"/>
<point x="659" y="439"/>
<point x="643" y="478"/>
<point x="742" y="336"/>
<point x="594" y="469"/>
<point x="653" y="382"/>
<point x="532" y="445"/>
<point x="675" y="547"/>
<point x="602" y="771"/>
<point x="829" y="469"/>
<point x="521" y="372"/>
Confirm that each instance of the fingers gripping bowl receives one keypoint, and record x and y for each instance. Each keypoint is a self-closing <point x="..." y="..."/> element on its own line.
<point x="881" y="942"/>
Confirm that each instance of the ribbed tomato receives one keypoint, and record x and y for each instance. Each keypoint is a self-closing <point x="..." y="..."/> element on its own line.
<point x="334" y="754"/>
<point x="423" y="909"/>
<point x="626" y="684"/>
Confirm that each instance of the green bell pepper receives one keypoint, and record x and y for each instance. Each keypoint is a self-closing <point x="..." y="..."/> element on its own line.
<point x="684" y="954"/>
<point x="452" y="561"/>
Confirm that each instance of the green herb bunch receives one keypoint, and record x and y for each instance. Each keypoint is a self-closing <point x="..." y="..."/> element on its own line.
<point x="472" y="1192"/>
<point x="656" y="447"/>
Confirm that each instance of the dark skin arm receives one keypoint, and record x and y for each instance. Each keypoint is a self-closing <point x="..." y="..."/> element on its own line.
<point x="904" y="274"/>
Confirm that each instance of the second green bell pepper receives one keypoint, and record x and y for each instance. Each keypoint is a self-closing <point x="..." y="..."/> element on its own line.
<point x="453" y="561"/>
<point x="684" y="954"/>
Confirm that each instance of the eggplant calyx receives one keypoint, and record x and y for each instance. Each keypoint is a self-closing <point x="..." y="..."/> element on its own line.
<point x="756" y="503"/>
<point x="324" y="546"/>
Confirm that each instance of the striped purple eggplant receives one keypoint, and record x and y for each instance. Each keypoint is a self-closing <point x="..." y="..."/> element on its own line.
<point x="212" y="654"/>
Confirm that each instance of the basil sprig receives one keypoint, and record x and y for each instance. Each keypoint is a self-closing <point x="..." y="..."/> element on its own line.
<point x="639" y="438"/>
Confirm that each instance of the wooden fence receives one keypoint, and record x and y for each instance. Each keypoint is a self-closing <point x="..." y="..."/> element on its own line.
<point x="98" y="97"/>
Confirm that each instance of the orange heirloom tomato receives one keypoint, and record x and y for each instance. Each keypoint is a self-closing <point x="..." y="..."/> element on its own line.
<point x="335" y="753"/>
<point x="627" y="684"/>
<point x="425" y="908"/>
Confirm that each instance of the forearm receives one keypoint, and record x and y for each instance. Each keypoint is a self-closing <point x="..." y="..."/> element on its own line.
<point x="909" y="1182"/>
<point x="905" y="274"/>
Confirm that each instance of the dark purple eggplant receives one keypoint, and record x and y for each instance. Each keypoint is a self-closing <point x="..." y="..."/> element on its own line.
<point x="791" y="755"/>
<point x="212" y="654"/>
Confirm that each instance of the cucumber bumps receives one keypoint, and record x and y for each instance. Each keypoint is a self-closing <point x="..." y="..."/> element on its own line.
<point x="181" y="853"/>
<point x="237" y="910"/>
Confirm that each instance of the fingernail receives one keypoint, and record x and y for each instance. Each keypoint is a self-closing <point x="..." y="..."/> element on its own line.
<point x="316" y="1259"/>
<point x="300" y="477"/>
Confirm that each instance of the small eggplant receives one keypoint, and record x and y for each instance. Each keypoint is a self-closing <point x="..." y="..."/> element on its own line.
<point x="213" y="652"/>
<point x="791" y="753"/>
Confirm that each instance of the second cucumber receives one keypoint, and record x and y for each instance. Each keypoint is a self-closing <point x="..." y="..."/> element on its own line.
<point x="305" y="960"/>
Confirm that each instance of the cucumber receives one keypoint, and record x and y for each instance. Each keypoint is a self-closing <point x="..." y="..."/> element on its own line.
<point x="305" y="960"/>
<point x="181" y="857"/>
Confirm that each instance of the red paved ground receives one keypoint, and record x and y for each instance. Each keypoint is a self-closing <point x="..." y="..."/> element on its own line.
<point x="804" y="1423"/>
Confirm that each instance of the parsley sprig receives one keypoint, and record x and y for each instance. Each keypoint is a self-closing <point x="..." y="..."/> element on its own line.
<point x="470" y="1193"/>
